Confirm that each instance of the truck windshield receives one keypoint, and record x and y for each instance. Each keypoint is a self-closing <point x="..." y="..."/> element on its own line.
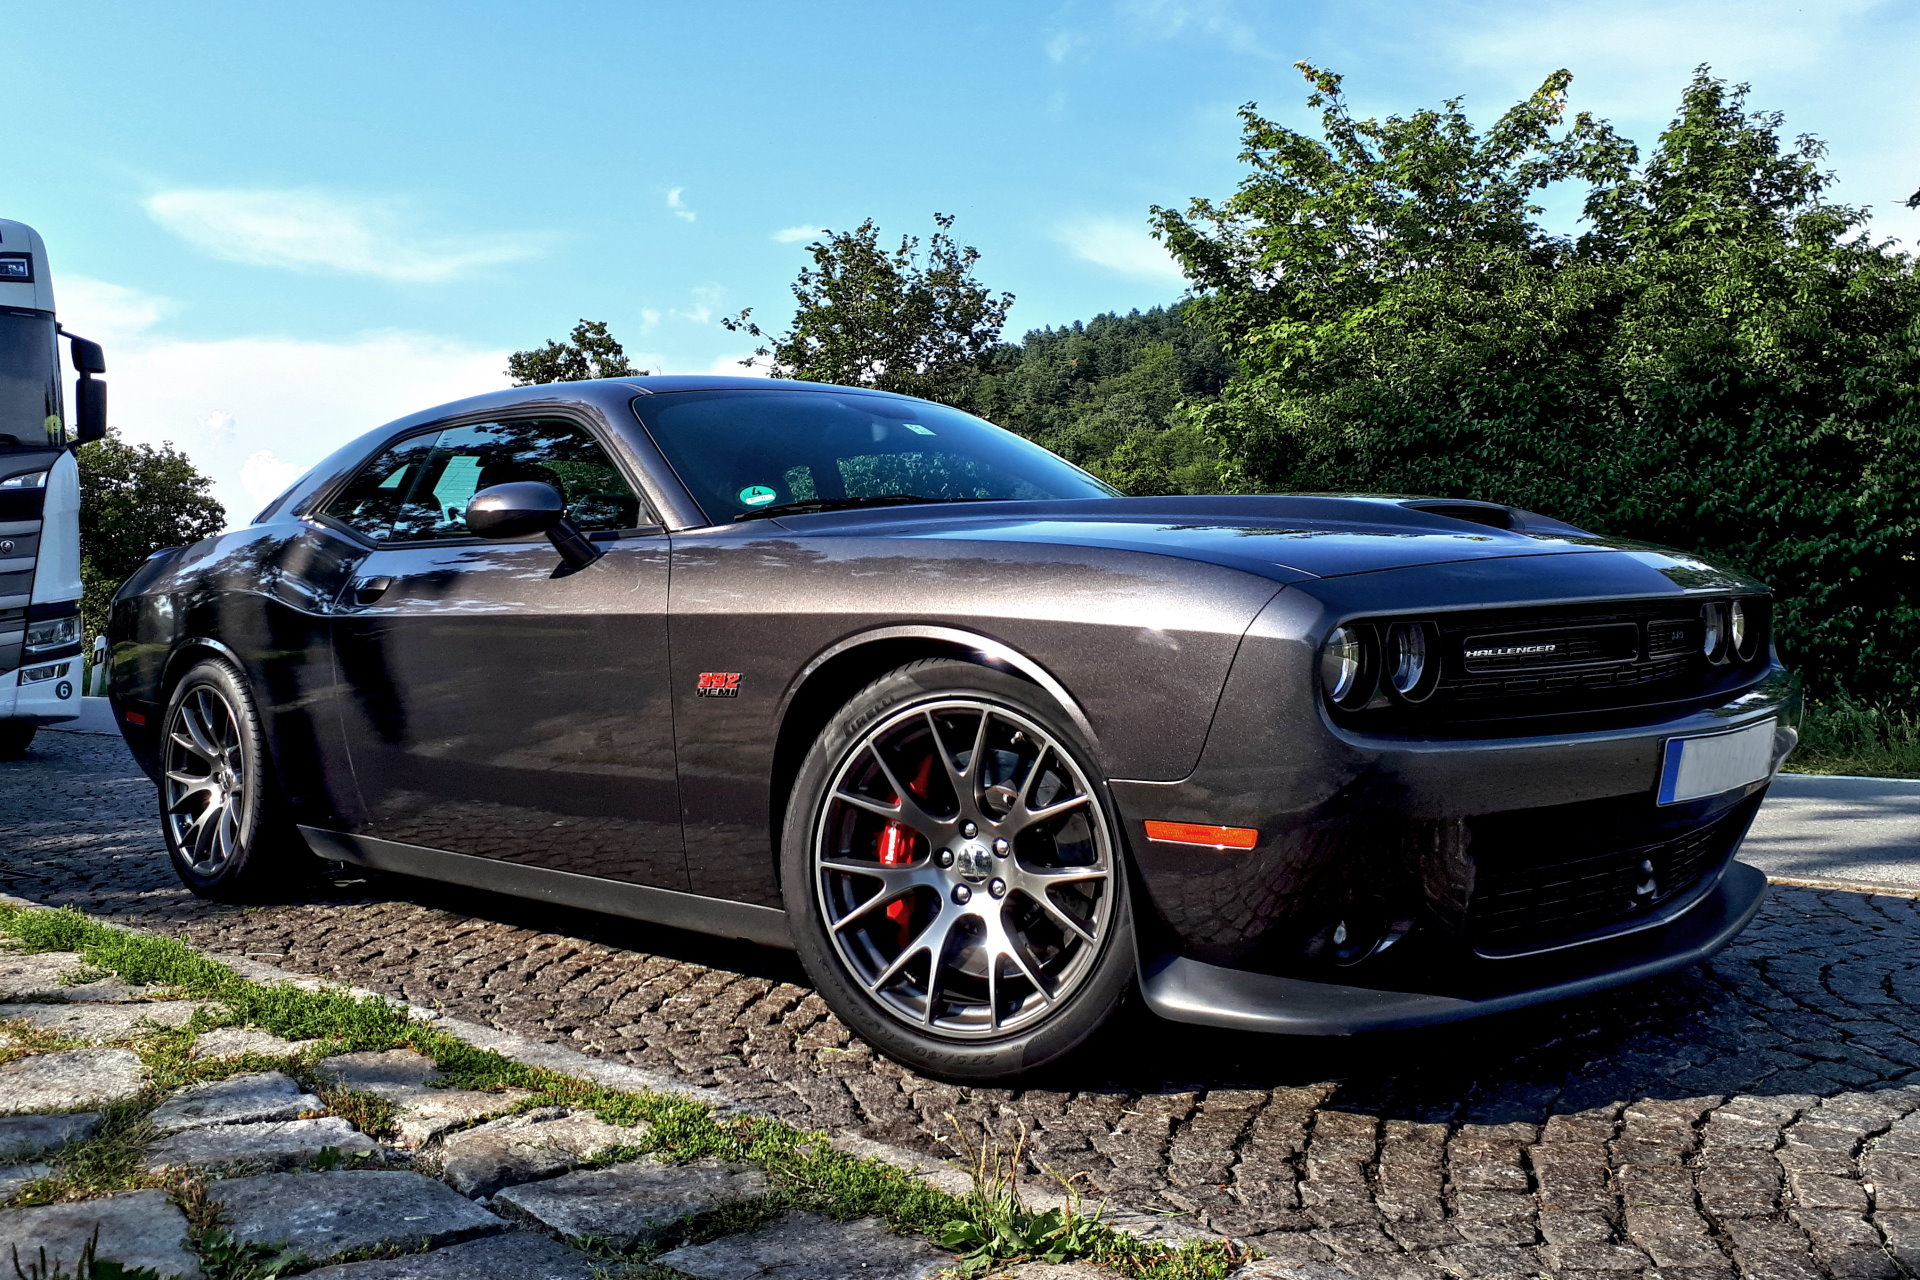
<point x="29" y="381"/>
<point x="743" y="450"/>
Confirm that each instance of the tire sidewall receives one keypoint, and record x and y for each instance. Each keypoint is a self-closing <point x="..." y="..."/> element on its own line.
<point x="242" y="869"/>
<point x="1103" y="991"/>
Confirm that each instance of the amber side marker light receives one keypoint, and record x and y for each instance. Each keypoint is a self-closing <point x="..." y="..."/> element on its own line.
<point x="1198" y="833"/>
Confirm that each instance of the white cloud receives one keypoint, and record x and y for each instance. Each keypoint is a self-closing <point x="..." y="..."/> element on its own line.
<point x="311" y="230"/>
<point x="1215" y="19"/>
<point x="1119" y="245"/>
<point x="704" y="299"/>
<point x="798" y="234"/>
<point x="1062" y="45"/>
<point x="265" y="474"/>
<point x="679" y="206"/>
<point x="254" y="412"/>
<point x="104" y="312"/>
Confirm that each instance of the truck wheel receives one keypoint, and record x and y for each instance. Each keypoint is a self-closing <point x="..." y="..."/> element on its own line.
<point x="227" y="834"/>
<point x="15" y="737"/>
<point x="953" y="874"/>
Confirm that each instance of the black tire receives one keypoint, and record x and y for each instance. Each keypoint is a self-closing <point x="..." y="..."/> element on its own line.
<point x="15" y="737"/>
<point x="225" y="824"/>
<point x="1008" y="984"/>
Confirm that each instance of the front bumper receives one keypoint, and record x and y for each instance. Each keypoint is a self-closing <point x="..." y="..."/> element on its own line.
<point x="1187" y="990"/>
<point x="54" y="700"/>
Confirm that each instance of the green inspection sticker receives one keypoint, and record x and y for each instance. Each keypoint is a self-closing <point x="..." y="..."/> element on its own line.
<point x="757" y="495"/>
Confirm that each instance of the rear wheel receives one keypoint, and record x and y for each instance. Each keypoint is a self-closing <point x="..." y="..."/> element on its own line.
<point x="226" y="832"/>
<point x="953" y="874"/>
<point x="15" y="737"/>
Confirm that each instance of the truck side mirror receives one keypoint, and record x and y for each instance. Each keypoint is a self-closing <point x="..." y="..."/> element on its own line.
<point x="90" y="397"/>
<point x="91" y="418"/>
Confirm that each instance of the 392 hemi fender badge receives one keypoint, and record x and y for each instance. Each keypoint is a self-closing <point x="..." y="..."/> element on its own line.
<point x="718" y="684"/>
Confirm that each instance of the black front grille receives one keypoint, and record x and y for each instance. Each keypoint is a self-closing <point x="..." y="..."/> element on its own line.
<point x="1499" y="667"/>
<point x="1529" y="896"/>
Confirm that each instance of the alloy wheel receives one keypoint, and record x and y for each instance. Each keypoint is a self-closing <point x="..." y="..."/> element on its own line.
<point x="206" y="784"/>
<point x="964" y="868"/>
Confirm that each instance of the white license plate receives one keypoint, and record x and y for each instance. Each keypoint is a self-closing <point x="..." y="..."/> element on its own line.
<point x="1708" y="766"/>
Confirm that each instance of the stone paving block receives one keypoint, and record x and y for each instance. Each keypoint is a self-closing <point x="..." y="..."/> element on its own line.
<point x="1563" y="1258"/>
<point x="231" y="1042"/>
<point x="536" y="1144"/>
<point x="629" y="1204"/>
<point x="36" y="974"/>
<point x="100" y="1022"/>
<point x="323" y="1215"/>
<point x="274" y="1144"/>
<point x="801" y="1244"/>
<point x="1673" y="1235"/>
<point x="1771" y="1251"/>
<point x="1559" y="1227"/>
<point x="69" y="1079"/>
<point x="13" y="1176"/>
<point x="1902" y="1231"/>
<point x="516" y="1255"/>
<point x="265" y="1095"/>
<point x="136" y="1229"/>
<point x="404" y="1078"/>
<point x="30" y="1135"/>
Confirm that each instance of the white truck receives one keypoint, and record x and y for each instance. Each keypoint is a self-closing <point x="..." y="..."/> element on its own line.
<point x="40" y="665"/>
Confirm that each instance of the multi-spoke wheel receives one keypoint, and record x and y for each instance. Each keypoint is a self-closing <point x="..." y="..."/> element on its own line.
<point x="217" y="809"/>
<point x="953" y="874"/>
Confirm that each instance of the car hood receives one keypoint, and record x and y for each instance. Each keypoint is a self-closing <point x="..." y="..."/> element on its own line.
<point x="1289" y="537"/>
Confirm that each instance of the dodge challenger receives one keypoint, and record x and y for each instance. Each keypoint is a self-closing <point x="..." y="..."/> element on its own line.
<point x="992" y="747"/>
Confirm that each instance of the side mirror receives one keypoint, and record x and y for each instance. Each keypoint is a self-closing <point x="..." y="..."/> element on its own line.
<point x="90" y="397"/>
<point x="88" y="358"/>
<point x="90" y="422"/>
<point x="526" y="509"/>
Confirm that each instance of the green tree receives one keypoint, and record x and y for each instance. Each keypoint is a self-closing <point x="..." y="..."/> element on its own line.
<point x="887" y="318"/>
<point x="1722" y="360"/>
<point x="134" y="500"/>
<point x="589" y="352"/>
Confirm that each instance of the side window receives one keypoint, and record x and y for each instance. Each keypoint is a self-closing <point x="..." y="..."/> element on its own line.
<point x="418" y="490"/>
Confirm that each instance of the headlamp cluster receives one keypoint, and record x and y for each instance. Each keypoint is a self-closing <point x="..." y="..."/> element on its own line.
<point x="1361" y="661"/>
<point x="1729" y="631"/>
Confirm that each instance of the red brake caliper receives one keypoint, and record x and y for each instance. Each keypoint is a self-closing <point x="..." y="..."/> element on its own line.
<point x="895" y="849"/>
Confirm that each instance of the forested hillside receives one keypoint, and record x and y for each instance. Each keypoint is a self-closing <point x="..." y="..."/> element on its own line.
<point x="1111" y="394"/>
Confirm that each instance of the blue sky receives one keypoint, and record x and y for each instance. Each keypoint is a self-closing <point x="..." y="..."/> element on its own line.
<point x="291" y="224"/>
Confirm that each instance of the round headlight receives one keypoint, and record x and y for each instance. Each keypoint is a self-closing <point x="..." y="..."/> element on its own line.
<point x="1340" y="662"/>
<point x="1740" y="630"/>
<point x="1713" y="631"/>
<point x="1407" y="660"/>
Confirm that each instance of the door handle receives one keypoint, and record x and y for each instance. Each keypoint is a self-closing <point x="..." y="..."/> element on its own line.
<point x="368" y="590"/>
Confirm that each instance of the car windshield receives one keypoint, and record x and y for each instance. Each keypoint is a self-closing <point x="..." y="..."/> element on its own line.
<point x="29" y="381"/>
<point x="747" y="449"/>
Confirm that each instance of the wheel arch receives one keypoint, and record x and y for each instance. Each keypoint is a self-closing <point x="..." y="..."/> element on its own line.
<point x="827" y="682"/>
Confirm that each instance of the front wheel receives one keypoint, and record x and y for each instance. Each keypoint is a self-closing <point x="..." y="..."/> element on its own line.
<point x="953" y="875"/>
<point x="225" y="831"/>
<point x="15" y="737"/>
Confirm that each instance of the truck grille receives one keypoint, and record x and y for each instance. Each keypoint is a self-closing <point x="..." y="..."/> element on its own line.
<point x="1530" y="896"/>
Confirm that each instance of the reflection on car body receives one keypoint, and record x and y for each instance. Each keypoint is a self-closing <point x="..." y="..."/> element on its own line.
<point x="989" y="744"/>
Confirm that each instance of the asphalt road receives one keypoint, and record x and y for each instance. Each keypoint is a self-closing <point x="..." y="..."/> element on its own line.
<point x="1755" y="1116"/>
<point x="1849" y="831"/>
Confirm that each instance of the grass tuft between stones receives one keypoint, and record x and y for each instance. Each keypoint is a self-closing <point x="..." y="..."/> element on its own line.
<point x="803" y="1172"/>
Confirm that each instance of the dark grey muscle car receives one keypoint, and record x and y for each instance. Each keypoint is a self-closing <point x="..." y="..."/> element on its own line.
<point x="991" y="746"/>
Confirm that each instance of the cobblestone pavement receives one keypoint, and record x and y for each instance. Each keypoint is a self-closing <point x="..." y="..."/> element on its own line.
<point x="1758" y="1116"/>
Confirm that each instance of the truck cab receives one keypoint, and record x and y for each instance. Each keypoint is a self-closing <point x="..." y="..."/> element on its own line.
<point x="40" y="641"/>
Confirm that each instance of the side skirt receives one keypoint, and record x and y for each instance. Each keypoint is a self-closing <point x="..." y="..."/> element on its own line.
<point x="764" y="925"/>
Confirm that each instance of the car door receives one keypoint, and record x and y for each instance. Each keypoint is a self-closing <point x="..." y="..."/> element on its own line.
<point x="495" y="703"/>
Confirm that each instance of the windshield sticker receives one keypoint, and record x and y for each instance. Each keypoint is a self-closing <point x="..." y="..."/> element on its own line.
<point x="917" y="429"/>
<point x="757" y="495"/>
